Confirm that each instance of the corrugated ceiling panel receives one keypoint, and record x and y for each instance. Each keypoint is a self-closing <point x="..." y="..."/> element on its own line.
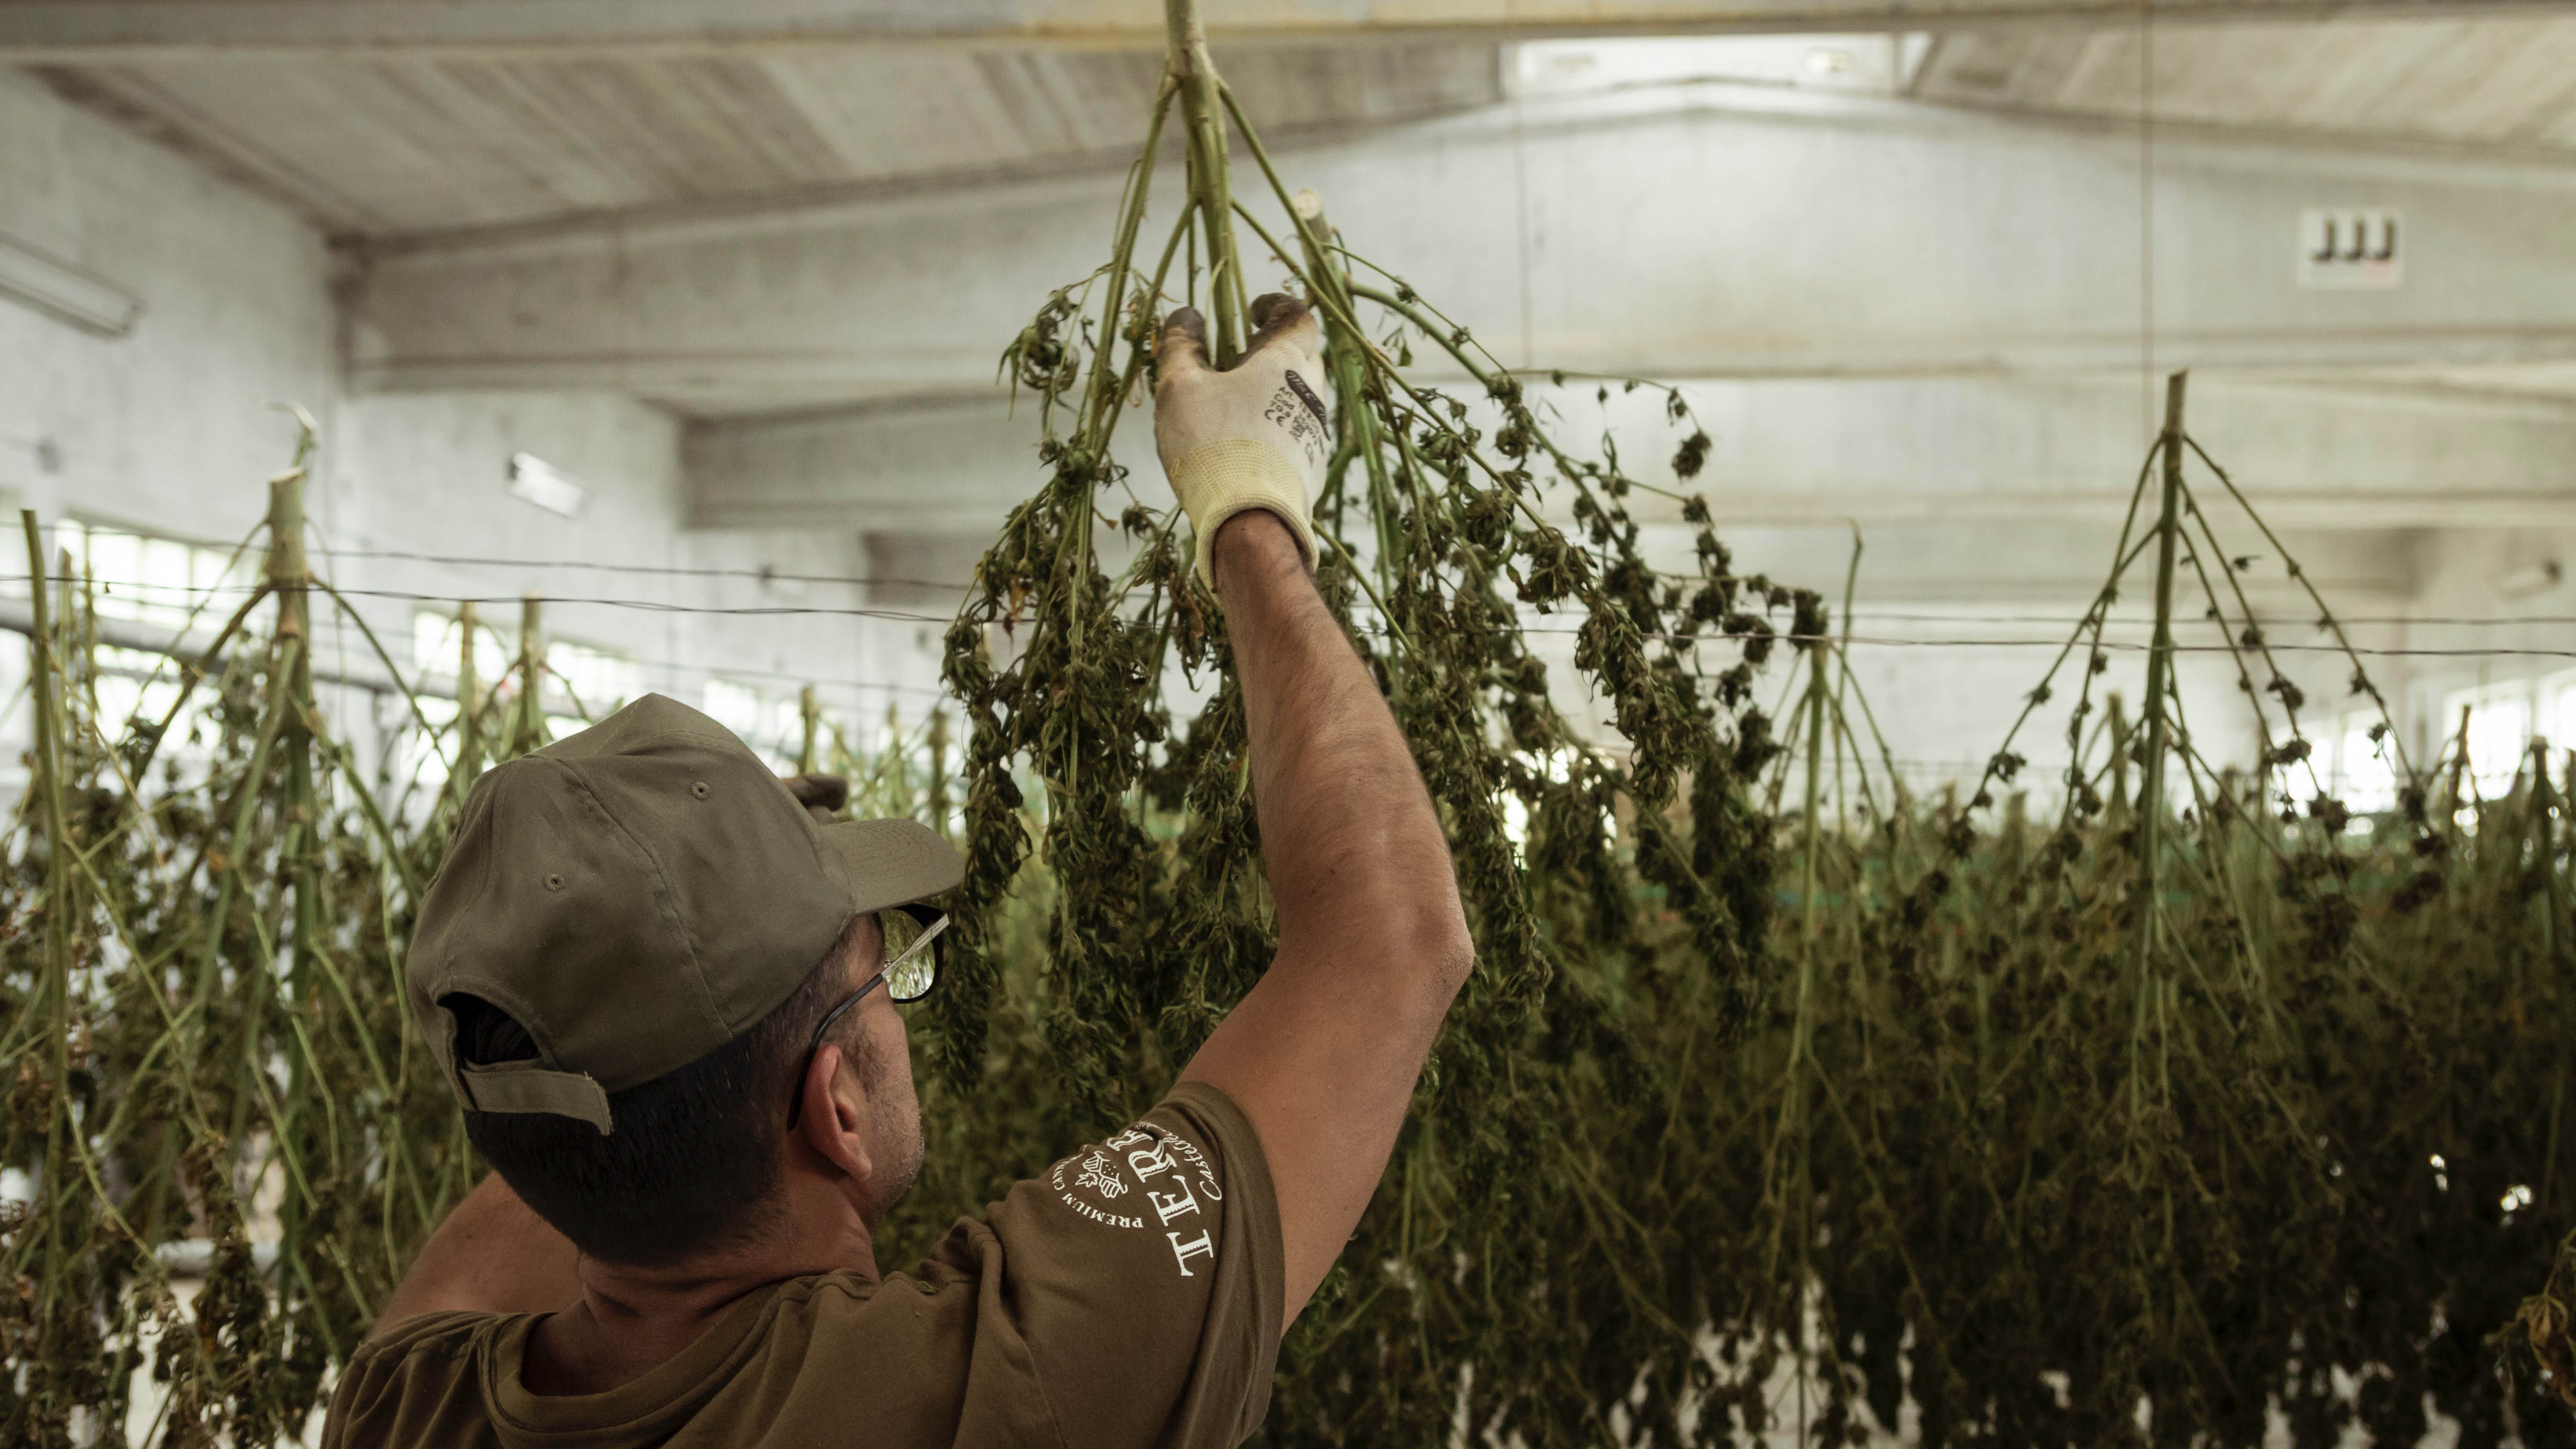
<point x="401" y="145"/>
<point x="413" y="144"/>
<point x="2501" y="80"/>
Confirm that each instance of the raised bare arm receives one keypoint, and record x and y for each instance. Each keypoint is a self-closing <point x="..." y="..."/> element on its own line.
<point x="1324" y="1052"/>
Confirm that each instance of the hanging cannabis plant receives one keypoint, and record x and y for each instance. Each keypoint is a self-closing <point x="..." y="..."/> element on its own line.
<point x="2185" y="1106"/>
<point x="208" y="1064"/>
<point x="1640" y="872"/>
<point x="2028" y="1132"/>
<point x="2212" y="1108"/>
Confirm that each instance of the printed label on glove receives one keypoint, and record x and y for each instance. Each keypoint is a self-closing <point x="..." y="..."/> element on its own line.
<point x="1305" y="424"/>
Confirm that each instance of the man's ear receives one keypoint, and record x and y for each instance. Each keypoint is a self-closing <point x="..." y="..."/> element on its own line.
<point x="834" y="1121"/>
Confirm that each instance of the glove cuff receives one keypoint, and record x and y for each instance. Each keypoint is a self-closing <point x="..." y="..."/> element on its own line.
<point x="1221" y="479"/>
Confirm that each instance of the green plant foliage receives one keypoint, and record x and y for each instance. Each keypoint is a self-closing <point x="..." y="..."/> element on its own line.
<point x="2033" y="1125"/>
<point x="1068" y="664"/>
<point x="235" y="1138"/>
<point x="2174" y="1105"/>
<point x="202" y="1031"/>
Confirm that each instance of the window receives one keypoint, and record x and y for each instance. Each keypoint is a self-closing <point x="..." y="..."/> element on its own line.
<point x="2363" y="768"/>
<point x="2558" y="709"/>
<point x="735" y="706"/>
<point x="598" y="680"/>
<point x="152" y="580"/>
<point x="140" y="685"/>
<point x="437" y="647"/>
<point x="773" y="727"/>
<point x="2499" y="730"/>
<point x="416" y="765"/>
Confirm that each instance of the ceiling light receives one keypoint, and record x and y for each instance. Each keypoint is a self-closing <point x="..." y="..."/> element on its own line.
<point x="1567" y="67"/>
<point x="545" y="485"/>
<point x="2537" y="578"/>
<point x="65" y="292"/>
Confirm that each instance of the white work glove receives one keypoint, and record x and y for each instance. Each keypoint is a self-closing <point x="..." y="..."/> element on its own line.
<point x="1256" y="435"/>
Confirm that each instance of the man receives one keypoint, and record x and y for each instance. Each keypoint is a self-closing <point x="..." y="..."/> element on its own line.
<point x="667" y="998"/>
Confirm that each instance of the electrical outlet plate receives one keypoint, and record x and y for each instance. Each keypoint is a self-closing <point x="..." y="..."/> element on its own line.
<point x="2351" y="248"/>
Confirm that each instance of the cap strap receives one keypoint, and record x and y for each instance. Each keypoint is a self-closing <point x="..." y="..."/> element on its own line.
<point x="525" y="1086"/>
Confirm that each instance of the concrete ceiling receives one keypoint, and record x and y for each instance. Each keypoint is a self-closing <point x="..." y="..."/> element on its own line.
<point x="384" y="118"/>
<point x="79" y="31"/>
<point x="2493" y="80"/>
<point x="736" y="208"/>
<point x="376" y="145"/>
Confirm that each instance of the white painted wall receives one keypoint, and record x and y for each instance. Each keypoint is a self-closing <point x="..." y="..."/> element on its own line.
<point x="171" y="430"/>
<point x="170" y="426"/>
<point x="1692" y="232"/>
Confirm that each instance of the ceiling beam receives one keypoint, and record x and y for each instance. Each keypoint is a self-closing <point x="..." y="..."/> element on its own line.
<point x="81" y="32"/>
<point x="1524" y="121"/>
<point x="1794" y="454"/>
<point x="1711" y="234"/>
<point x="772" y="204"/>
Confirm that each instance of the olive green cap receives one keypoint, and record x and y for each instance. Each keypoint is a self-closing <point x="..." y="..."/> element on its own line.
<point x="637" y="895"/>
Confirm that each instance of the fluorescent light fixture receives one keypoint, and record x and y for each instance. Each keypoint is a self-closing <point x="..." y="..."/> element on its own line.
<point x="545" y="485"/>
<point x="65" y="292"/>
<point x="2537" y="578"/>
<point x="1862" y="63"/>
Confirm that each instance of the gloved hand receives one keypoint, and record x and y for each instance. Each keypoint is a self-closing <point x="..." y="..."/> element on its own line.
<point x="1256" y="435"/>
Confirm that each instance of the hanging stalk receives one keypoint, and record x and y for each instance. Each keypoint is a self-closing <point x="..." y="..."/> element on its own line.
<point x="2120" y="745"/>
<point x="290" y="579"/>
<point x="1842" y="658"/>
<point x="2547" y="805"/>
<point x="1442" y="518"/>
<point x="530" y="716"/>
<point x="1793" y="1098"/>
<point x="58" y="922"/>
<point x="939" y="772"/>
<point x="469" y="709"/>
<point x="2325" y="615"/>
<point x="809" y="716"/>
<point x="1211" y="187"/>
<point x="2151" y="787"/>
<point x="1346" y="350"/>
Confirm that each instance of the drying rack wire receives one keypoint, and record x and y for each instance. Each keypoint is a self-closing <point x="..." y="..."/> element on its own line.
<point x="1891" y="641"/>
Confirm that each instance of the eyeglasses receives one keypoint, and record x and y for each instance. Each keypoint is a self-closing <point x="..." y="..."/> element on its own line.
<point x="911" y="934"/>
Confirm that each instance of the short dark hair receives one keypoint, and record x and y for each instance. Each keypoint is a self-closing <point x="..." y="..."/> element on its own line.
<point x="693" y="1163"/>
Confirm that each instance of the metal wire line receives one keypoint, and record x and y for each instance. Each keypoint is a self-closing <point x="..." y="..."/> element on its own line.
<point x="650" y="606"/>
<point x="1893" y="615"/>
<point x="329" y="550"/>
<point x="665" y="570"/>
<point x="654" y="606"/>
<point x="1379" y="630"/>
<point x="1925" y="616"/>
<point x="341" y="634"/>
<point x="868" y="580"/>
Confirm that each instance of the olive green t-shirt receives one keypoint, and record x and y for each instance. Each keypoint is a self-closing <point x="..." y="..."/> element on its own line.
<point x="1129" y="1297"/>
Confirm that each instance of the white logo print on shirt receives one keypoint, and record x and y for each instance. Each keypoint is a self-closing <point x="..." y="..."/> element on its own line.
<point x="1176" y="1179"/>
<point x="1100" y="1176"/>
<point x="1150" y="1155"/>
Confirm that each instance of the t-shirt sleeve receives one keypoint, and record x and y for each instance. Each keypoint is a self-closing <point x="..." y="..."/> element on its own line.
<point x="411" y="1384"/>
<point x="1144" y="1272"/>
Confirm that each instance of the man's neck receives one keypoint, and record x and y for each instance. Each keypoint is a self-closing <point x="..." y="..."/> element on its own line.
<point x="632" y="1320"/>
